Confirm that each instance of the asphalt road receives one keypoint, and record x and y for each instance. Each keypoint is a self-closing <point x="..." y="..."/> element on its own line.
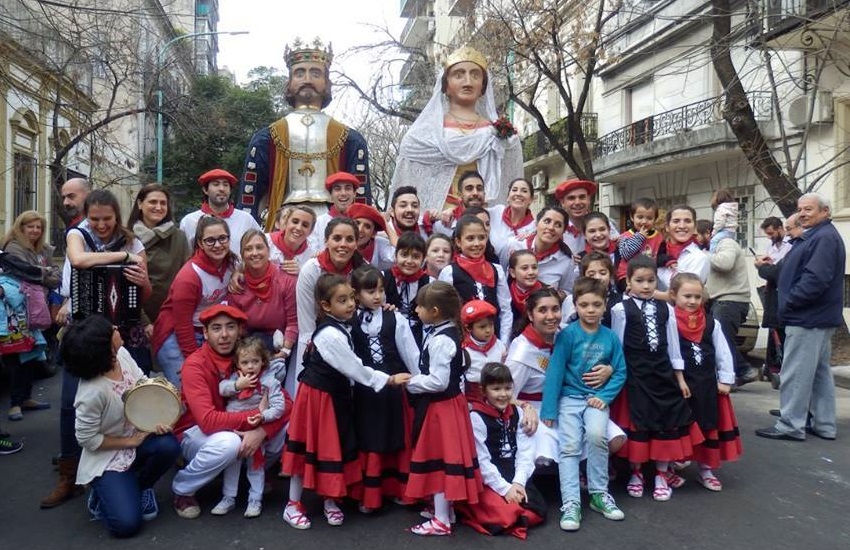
<point x="779" y="495"/>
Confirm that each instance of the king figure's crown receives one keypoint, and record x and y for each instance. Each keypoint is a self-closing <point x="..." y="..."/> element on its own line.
<point x="301" y="52"/>
<point x="466" y="53"/>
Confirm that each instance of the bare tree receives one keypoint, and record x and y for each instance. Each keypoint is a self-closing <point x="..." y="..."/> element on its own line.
<point x="383" y="134"/>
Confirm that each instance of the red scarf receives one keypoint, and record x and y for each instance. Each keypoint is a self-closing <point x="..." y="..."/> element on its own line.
<point x="470" y="343"/>
<point x="487" y="409"/>
<point x="334" y="212"/>
<point x="479" y="269"/>
<point x="691" y="325"/>
<point x="536" y="340"/>
<point x="675" y="248"/>
<point x="324" y="259"/>
<point x="246" y="393"/>
<point x="368" y="251"/>
<point x="203" y="261"/>
<point x="612" y="247"/>
<point x="457" y="212"/>
<point x="541" y="254"/>
<point x="260" y="286"/>
<point x="572" y="230"/>
<point x="402" y="278"/>
<point x="279" y="241"/>
<point x="506" y="219"/>
<point x="222" y="364"/>
<point x="519" y="296"/>
<point x="205" y="208"/>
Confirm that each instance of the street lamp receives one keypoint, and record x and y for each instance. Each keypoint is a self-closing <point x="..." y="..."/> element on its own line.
<point x="160" y="59"/>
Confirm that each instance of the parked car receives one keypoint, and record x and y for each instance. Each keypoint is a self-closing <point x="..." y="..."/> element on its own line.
<point x="748" y="333"/>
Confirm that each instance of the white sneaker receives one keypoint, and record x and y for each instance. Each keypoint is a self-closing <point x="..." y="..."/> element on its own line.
<point x="254" y="509"/>
<point x="224" y="506"/>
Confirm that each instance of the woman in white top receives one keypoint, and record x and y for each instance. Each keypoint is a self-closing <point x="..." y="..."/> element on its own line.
<point x="515" y="218"/>
<point x="680" y="253"/>
<point x="289" y="246"/>
<point x="119" y="463"/>
<point x="554" y="258"/>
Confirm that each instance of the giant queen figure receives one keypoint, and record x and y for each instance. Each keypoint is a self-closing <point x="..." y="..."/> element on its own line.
<point x="455" y="133"/>
<point x="288" y="161"/>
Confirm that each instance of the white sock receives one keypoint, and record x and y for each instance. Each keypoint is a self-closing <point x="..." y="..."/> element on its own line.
<point x="662" y="465"/>
<point x="331" y="505"/>
<point x="296" y="488"/>
<point x="704" y="470"/>
<point x="442" y="509"/>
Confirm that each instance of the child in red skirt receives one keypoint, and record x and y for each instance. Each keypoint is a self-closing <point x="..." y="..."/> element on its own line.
<point x="708" y="378"/>
<point x="443" y="464"/>
<point x="651" y="409"/>
<point x="321" y="446"/>
<point x="510" y="503"/>
<point x="480" y="343"/>
<point x="384" y="341"/>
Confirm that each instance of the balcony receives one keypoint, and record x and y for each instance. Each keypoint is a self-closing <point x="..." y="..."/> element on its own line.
<point x="674" y="122"/>
<point x="415" y="72"/>
<point x="461" y="7"/>
<point x="416" y="8"/>
<point x="791" y="19"/>
<point x="537" y="145"/>
<point x="416" y="31"/>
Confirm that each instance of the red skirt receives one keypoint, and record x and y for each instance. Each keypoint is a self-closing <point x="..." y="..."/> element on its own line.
<point x="385" y="474"/>
<point x="313" y="450"/>
<point x="643" y="445"/>
<point x="493" y="516"/>
<point x="444" y="458"/>
<point x="473" y="392"/>
<point x="722" y="444"/>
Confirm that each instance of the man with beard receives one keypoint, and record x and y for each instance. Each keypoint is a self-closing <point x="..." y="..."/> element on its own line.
<point x="778" y="246"/>
<point x="74" y="193"/>
<point x="217" y="185"/>
<point x="470" y="187"/>
<point x="289" y="161"/>
<point x="405" y="211"/>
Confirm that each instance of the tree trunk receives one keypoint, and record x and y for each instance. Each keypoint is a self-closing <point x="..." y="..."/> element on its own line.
<point x="738" y="113"/>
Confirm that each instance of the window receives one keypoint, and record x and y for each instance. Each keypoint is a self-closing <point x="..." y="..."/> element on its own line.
<point x="24" y="183"/>
<point x="746" y="220"/>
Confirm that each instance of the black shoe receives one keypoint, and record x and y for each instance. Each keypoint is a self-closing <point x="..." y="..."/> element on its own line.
<point x="775" y="380"/>
<point x="750" y="375"/>
<point x="810" y="430"/>
<point x="775" y="412"/>
<point x="773" y="433"/>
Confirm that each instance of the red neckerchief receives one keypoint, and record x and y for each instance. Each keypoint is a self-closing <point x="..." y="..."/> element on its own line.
<point x="519" y="296"/>
<point x="506" y="219"/>
<point x="612" y="247"/>
<point x="334" y="212"/>
<point x="572" y="230"/>
<point x="203" y="261"/>
<point x="675" y="248"/>
<point x="324" y="259"/>
<point x="541" y="254"/>
<point x="691" y="325"/>
<point x="487" y="409"/>
<point x="457" y="212"/>
<point x="279" y="241"/>
<point x="205" y="208"/>
<point x="470" y="343"/>
<point x="536" y="340"/>
<point x="246" y="393"/>
<point x="368" y="251"/>
<point x="402" y="278"/>
<point x="260" y="286"/>
<point x="399" y="229"/>
<point x="76" y="221"/>
<point x="479" y="269"/>
<point x="223" y="364"/>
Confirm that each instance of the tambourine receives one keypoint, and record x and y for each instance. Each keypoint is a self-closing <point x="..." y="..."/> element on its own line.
<point x="152" y="402"/>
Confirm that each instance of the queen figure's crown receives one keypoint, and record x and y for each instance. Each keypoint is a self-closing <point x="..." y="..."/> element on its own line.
<point x="466" y="53"/>
<point x="301" y="52"/>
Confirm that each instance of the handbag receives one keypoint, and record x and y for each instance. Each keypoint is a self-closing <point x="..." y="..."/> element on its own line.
<point x="38" y="313"/>
<point x="19" y="339"/>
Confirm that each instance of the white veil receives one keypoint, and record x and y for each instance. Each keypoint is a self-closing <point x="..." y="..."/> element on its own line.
<point x="429" y="156"/>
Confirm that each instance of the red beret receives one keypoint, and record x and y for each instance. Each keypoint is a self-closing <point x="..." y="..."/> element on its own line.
<point x="222" y="309"/>
<point x="359" y="210"/>
<point x="217" y="174"/>
<point x="475" y="310"/>
<point x="341" y="177"/>
<point x="571" y="185"/>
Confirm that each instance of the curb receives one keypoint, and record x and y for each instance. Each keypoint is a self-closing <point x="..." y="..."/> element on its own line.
<point x="842" y="376"/>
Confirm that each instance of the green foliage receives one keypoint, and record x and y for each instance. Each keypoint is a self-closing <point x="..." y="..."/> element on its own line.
<point x="212" y="131"/>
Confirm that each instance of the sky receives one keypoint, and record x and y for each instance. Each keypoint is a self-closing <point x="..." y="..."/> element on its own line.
<point x="274" y="23"/>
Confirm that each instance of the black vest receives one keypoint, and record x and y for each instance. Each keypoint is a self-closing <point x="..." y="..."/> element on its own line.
<point x="501" y="441"/>
<point x="392" y="364"/>
<point x="702" y="377"/>
<point x="469" y="289"/>
<point x="408" y="310"/>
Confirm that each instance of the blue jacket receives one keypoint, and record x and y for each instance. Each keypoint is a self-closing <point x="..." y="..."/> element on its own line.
<point x="811" y="280"/>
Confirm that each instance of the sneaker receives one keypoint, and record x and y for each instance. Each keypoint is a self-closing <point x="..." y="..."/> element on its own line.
<point x="150" y="509"/>
<point x="605" y="505"/>
<point x="225" y="505"/>
<point x="9" y="447"/>
<point x="254" y="509"/>
<point x="93" y="506"/>
<point x="571" y="516"/>
<point x="15" y="414"/>
<point x="335" y="517"/>
<point x="294" y="515"/>
<point x="186" y="506"/>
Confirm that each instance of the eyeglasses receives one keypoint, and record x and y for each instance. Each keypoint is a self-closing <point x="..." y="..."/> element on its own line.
<point x="211" y="241"/>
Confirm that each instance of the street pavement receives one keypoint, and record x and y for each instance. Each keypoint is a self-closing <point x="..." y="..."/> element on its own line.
<point x="779" y="495"/>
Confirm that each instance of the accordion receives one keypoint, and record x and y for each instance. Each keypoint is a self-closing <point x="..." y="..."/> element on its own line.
<point x="106" y="291"/>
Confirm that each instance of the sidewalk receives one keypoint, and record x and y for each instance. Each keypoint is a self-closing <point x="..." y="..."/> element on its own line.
<point x="841" y="373"/>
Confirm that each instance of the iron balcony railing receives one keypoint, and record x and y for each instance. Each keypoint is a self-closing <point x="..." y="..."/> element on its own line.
<point x="683" y="119"/>
<point x="536" y="145"/>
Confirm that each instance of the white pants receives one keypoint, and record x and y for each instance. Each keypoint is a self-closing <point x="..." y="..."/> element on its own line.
<point x="208" y="455"/>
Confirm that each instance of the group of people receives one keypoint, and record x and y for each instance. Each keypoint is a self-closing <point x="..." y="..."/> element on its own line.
<point x="438" y="353"/>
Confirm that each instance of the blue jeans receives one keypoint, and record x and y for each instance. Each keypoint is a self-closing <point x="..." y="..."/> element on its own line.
<point x="577" y="423"/>
<point x="120" y="493"/>
<point x="719" y="236"/>
<point x="807" y="385"/>
<point x="731" y="315"/>
<point x="171" y="359"/>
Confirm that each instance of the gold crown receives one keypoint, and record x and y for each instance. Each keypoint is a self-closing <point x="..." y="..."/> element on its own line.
<point x="466" y="53"/>
<point x="301" y="52"/>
